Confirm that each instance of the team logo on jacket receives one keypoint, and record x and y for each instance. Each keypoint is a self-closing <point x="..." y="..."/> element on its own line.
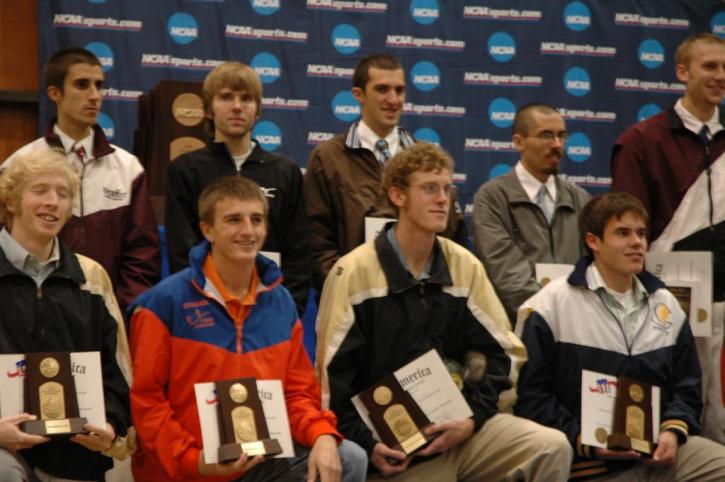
<point x="268" y="191"/>
<point x="198" y="318"/>
<point x="114" y="194"/>
<point x="663" y="315"/>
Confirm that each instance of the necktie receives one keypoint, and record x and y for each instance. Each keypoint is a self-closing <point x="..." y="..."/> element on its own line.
<point x="80" y="152"/>
<point x="704" y="134"/>
<point x="546" y="204"/>
<point x="381" y="151"/>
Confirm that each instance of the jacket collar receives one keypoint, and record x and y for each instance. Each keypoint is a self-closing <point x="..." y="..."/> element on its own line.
<point x="516" y="194"/>
<point x="578" y="277"/>
<point x="268" y="272"/>
<point x="68" y="267"/>
<point x="101" y="146"/>
<point x="677" y="124"/>
<point x="399" y="279"/>
<point x="352" y="140"/>
<point x="221" y="149"/>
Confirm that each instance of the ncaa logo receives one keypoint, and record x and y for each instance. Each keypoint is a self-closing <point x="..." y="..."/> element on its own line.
<point x="717" y="24"/>
<point x="425" y="76"/>
<point x="265" y="7"/>
<point x="577" y="81"/>
<point x="647" y="110"/>
<point x="345" y="107"/>
<point x="578" y="147"/>
<point x="577" y="16"/>
<point x="426" y="134"/>
<point x="501" y="47"/>
<point x="498" y="170"/>
<point x="501" y="111"/>
<point x="267" y="67"/>
<point x="424" y="12"/>
<point x="651" y="54"/>
<point x="104" y="54"/>
<point x="346" y="39"/>
<point x="182" y="28"/>
<point x="268" y="135"/>
<point x="106" y="124"/>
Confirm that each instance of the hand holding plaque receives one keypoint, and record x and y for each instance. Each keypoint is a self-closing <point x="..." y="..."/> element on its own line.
<point x="242" y="427"/>
<point x="632" y="429"/>
<point x="396" y="416"/>
<point x="50" y="394"/>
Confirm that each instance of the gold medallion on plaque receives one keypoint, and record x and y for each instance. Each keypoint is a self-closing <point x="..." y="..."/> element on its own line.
<point x="49" y="367"/>
<point x="52" y="405"/>
<point x="701" y="314"/>
<point x="601" y="435"/>
<point x="182" y="145"/>
<point x="399" y="421"/>
<point x="382" y="395"/>
<point x="245" y="429"/>
<point x="238" y="393"/>
<point x="636" y="393"/>
<point x="635" y="422"/>
<point x="188" y="109"/>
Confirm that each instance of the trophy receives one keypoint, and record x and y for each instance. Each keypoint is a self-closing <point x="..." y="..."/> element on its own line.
<point x="396" y="417"/>
<point x="632" y="428"/>
<point x="50" y="394"/>
<point x="242" y="427"/>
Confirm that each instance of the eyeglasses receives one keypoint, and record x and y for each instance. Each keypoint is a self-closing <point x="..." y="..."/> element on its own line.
<point x="433" y="189"/>
<point x="548" y="136"/>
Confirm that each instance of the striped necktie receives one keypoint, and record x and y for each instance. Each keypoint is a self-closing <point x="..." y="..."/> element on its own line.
<point x="381" y="151"/>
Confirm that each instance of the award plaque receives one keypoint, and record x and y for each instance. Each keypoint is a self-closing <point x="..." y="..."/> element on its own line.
<point x="242" y="427"/>
<point x="632" y="428"/>
<point x="396" y="417"/>
<point x="50" y="394"/>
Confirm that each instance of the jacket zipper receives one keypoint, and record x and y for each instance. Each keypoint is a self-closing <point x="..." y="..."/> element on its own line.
<point x="619" y="324"/>
<point x="237" y="326"/>
<point x="551" y="233"/>
<point x="80" y="197"/>
<point x="708" y="170"/>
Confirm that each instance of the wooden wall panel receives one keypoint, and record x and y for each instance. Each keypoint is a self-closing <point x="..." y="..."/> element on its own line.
<point x="19" y="74"/>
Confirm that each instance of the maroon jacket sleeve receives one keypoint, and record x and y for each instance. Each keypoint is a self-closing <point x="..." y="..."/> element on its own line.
<point x="629" y="167"/>
<point x="140" y="265"/>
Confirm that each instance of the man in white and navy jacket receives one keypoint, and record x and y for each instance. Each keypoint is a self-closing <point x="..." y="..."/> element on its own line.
<point x="613" y="317"/>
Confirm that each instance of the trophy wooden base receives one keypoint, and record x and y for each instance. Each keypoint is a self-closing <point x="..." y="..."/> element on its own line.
<point x="55" y="428"/>
<point x="415" y="442"/>
<point x="231" y="452"/>
<point x="621" y="441"/>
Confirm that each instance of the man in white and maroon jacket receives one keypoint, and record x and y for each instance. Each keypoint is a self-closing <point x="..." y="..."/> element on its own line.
<point x="674" y="163"/>
<point x="112" y="221"/>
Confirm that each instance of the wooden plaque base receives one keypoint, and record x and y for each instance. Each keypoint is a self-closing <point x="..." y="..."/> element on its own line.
<point x="266" y="447"/>
<point x="55" y="428"/>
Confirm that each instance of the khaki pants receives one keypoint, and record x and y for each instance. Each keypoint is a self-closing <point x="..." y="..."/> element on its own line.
<point x="709" y="352"/>
<point x="506" y="448"/>
<point x="11" y="469"/>
<point x="698" y="460"/>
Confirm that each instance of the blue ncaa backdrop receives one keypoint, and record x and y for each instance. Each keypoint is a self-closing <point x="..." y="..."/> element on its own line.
<point x="468" y="63"/>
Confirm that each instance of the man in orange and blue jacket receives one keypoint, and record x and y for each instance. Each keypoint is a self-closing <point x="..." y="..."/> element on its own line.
<point x="227" y="316"/>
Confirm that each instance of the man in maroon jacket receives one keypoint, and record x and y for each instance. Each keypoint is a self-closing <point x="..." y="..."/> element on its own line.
<point x="674" y="164"/>
<point x="112" y="221"/>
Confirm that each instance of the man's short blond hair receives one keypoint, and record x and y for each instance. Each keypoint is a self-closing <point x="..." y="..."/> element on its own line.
<point x="683" y="54"/>
<point x="24" y="168"/>
<point x="420" y="157"/>
<point x="234" y="187"/>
